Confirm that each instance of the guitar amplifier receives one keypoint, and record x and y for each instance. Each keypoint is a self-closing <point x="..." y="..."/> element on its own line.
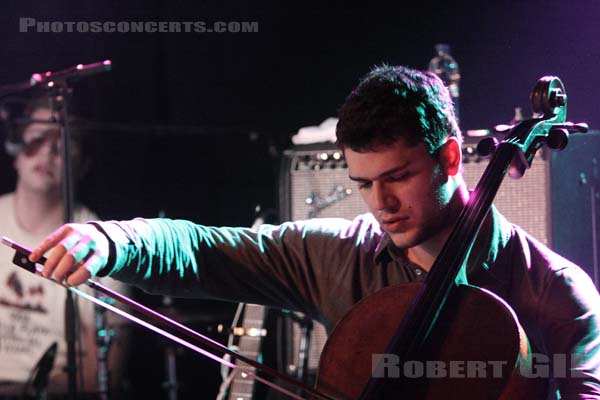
<point x="314" y="183"/>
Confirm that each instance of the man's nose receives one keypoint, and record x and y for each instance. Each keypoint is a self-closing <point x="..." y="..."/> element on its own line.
<point x="383" y="199"/>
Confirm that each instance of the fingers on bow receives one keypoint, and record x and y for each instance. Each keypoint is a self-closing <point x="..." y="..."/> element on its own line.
<point x="72" y="254"/>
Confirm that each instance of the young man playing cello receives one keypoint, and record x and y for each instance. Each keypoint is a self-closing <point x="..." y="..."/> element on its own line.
<point x="402" y="145"/>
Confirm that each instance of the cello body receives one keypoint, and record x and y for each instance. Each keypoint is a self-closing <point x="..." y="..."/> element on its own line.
<point x="478" y="351"/>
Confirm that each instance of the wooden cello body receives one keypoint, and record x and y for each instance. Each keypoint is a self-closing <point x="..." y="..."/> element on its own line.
<point x="472" y="356"/>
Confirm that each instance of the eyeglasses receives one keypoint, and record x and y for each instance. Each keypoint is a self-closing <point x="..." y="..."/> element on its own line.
<point x="37" y="139"/>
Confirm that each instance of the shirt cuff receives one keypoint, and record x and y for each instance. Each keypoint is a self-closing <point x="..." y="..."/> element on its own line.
<point x="114" y="234"/>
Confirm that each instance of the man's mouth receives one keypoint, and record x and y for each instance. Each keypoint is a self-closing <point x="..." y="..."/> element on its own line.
<point x="394" y="224"/>
<point x="44" y="170"/>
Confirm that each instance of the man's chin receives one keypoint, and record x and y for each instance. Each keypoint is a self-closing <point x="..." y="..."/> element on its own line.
<point x="45" y="189"/>
<point x="403" y="240"/>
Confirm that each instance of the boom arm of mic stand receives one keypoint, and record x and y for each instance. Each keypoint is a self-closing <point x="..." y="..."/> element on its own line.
<point x="71" y="74"/>
<point x="14" y="88"/>
<point x="61" y="94"/>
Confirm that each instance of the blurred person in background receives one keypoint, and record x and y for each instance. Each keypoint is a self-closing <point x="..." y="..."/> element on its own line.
<point x="32" y="310"/>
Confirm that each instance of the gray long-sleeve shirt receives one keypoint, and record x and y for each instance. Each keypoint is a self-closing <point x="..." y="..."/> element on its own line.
<point x="322" y="267"/>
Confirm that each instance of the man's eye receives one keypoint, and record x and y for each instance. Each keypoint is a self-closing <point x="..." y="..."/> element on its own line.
<point x="396" y="178"/>
<point x="35" y="142"/>
<point x="32" y="146"/>
<point x="364" y="185"/>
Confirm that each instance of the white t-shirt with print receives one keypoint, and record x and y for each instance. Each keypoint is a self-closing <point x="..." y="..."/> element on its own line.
<point x="32" y="309"/>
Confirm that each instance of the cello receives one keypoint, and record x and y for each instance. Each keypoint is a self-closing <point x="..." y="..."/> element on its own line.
<point x="436" y="340"/>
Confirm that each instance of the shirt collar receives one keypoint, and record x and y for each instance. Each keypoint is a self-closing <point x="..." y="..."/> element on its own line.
<point x="383" y="248"/>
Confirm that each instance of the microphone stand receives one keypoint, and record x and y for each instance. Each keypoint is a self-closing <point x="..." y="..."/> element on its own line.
<point x="103" y="342"/>
<point x="60" y="94"/>
<point x="306" y="327"/>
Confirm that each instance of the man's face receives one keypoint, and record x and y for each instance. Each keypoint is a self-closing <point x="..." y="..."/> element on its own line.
<point x="405" y="189"/>
<point x="39" y="164"/>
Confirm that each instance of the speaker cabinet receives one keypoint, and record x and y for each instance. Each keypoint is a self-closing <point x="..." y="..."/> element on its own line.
<point x="575" y="199"/>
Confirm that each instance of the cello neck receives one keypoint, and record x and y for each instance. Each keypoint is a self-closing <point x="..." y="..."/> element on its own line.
<point x="449" y="263"/>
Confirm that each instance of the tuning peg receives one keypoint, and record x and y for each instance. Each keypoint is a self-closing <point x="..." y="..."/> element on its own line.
<point x="487" y="146"/>
<point x="558" y="138"/>
<point x="502" y="128"/>
<point x="581" y="127"/>
<point x="557" y="98"/>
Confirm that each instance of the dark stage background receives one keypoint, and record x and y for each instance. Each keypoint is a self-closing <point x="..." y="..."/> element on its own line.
<point x="240" y="96"/>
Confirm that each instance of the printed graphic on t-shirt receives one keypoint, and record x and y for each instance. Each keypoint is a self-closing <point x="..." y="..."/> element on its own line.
<point x="22" y="331"/>
<point x="24" y="298"/>
<point x="21" y="334"/>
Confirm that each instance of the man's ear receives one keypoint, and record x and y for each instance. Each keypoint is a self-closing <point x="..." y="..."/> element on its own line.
<point x="450" y="156"/>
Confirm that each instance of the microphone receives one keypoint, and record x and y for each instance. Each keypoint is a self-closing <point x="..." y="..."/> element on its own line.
<point x="42" y="369"/>
<point x="71" y="74"/>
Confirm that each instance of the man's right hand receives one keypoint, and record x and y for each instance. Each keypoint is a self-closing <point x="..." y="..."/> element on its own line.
<point x="77" y="252"/>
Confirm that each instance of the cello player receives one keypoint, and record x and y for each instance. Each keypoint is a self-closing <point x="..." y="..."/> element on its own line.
<point x="402" y="144"/>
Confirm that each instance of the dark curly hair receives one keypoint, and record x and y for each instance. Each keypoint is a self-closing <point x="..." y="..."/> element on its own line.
<point x="396" y="102"/>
